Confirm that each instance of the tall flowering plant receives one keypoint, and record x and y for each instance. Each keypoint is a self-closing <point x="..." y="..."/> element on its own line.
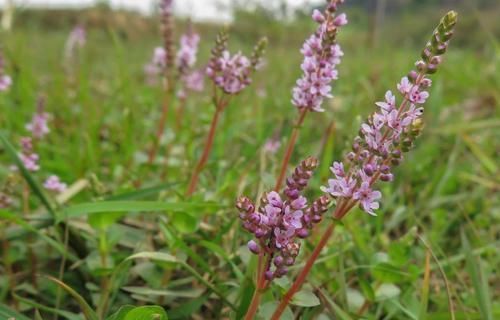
<point x="176" y="68"/>
<point x="281" y="220"/>
<point x="322" y="54"/>
<point x="230" y="75"/>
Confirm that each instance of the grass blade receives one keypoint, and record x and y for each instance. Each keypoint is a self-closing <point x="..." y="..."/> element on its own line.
<point x="86" y="309"/>
<point x="135" y="206"/>
<point x="33" y="184"/>
<point x="478" y="279"/>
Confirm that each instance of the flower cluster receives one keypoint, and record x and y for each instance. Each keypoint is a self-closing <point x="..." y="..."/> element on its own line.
<point x="281" y="220"/>
<point x="232" y="73"/>
<point x="186" y="56"/>
<point x="53" y="183"/>
<point x="38" y="125"/>
<point x="28" y="157"/>
<point x="5" y="80"/>
<point x="191" y="80"/>
<point x="76" y="40"/>
<point x="321" y="56"/>
<point x="272" y="145"/>
<point x="388" y="133"/>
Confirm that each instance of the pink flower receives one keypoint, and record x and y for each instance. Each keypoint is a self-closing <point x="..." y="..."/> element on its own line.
<point x="340" y="20"/>
<point x="272" y="146"/>
<point x="367" y="198"/>
<point x="159" y="57"/>
<point x="417" y="96"/>
<point x="30" y="161"/>
<point x="186" y="56"/>
<point x="338" y="169"/>
<point x="292" y="219"/>
<point x="53" y="183"/>
<point x="318" y="16"/>
<point x="283" y="236"/>
<point x="340" y="187"/>
<point x="38" y="125"/>
<point x="389" y="104"/>
<point x="404" y="86"/>
<point x="5" y="82"/>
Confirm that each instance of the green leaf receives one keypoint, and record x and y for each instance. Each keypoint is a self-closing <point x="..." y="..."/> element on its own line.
<point x="189" y="293"/>
<point x="25" y="225"/>
<point x="33" y="184"/>
<point x="147" y="313"/>
<point x="478" y="279"/>
<point x="140" y="313"/>
<point x="66" y="314"/>
<point x="267" y="309"/>
<point x="141" y="193"/>
<point x="165" y="257"/>
<point x="121" y="313"/>
<point x="305" y="298"/>
<point x="84" y="209"/>
<point x="7" y="313"/>
<point x="186" y="310"/>
<point x="184" y="222"/>
<point x="386" y="272"/>
<point x="341" y="314"/>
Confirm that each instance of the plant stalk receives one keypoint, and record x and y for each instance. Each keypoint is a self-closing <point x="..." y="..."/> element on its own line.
<point x="206" y="150"/>
<point x="289" y="149"/>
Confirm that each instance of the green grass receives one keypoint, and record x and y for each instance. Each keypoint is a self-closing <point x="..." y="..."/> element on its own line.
<point x="445" y="192"/>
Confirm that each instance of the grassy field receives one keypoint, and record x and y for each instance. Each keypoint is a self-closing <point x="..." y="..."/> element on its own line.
<point x="434" y="242"/>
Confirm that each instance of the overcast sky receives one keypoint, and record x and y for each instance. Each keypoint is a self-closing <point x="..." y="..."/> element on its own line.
<point x="197" y="9"/>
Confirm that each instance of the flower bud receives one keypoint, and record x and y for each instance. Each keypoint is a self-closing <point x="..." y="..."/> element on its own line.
<point x="253" y="247"/>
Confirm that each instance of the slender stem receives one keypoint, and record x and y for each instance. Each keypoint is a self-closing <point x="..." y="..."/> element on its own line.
<point x="180" y="113"/>
<point x="289" y="148"/>
<point x="161" y="127"/>
<point x="297" y="284"/>
<point x="206" y="152"/>
<point x="261" y="285"/>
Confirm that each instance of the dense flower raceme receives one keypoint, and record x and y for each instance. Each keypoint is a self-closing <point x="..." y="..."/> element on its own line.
<point x="76" y="40"/>
<point x="390" y="132"/>
<point x="167" y="25"/>
<point x="191" y="80"/>
<point x="321" y="56"/>
<point x="5" y="80"/>
<point x="282" y="219"/>
<point x="232" y="72"/>
<point x="53" y="183"/>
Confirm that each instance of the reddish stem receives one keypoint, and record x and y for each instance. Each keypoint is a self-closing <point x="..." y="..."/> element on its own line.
<point x="206" y="152"/>
<point x="289" y="149"/>
<point x="261" y="285"/>
<point x="161" y="128"/>
<point x="297" y="284"/>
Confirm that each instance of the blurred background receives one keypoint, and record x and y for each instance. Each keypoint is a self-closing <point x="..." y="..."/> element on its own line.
<point x="449" y="184"/>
